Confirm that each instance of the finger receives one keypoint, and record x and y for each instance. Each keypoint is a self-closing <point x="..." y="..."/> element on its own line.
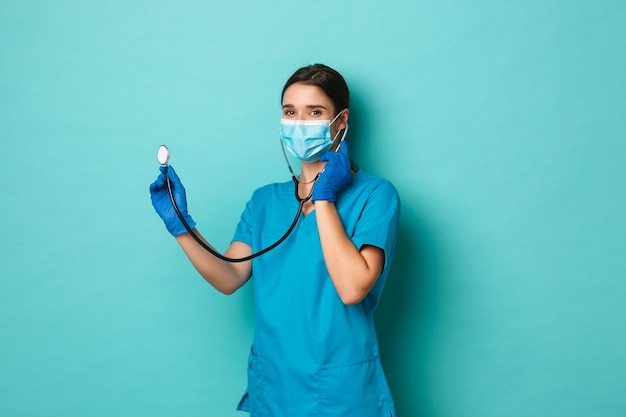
<point x="158" y="184"/>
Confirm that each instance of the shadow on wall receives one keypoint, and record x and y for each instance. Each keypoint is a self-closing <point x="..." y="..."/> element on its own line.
<point x="404" y="319"/>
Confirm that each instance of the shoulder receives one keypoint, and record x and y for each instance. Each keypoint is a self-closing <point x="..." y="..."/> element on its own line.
<point x="272" y="190"/>
<point x="372" y="184"/>
<point x="370" y="194"/>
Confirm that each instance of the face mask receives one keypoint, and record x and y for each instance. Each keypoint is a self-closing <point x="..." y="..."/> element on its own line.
<point x="307" y="140"/>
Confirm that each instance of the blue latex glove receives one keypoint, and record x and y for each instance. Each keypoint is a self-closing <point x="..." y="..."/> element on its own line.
<point x="335" y="175"/>
<point x="163" y="205"/>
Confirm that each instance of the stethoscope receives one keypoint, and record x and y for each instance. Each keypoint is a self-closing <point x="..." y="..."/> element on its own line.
<point x="163" y="156"/>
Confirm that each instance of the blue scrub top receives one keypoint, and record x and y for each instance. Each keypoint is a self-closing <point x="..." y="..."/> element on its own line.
<point x="313" y="355"/>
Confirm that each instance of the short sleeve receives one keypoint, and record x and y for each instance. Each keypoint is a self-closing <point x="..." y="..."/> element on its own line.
<point x="243" y="232"/>
<point x="378" y="223"/>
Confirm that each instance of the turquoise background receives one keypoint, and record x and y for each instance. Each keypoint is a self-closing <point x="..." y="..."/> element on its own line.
<point x="501" y="123"/>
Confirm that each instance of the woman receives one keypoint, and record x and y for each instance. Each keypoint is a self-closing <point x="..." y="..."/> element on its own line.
<point x="315" y="351"/>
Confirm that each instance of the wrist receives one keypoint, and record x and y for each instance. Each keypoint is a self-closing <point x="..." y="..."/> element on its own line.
<point x="323" y="204"/>
<point x="178" y="228"/>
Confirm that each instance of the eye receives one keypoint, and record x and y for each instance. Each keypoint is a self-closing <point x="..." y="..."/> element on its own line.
<point x="315" y="112"/>
<point x="288" y="112"/>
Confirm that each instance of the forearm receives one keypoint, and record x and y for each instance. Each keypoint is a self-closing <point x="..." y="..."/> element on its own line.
<point x="352" y="271"/>
<point x="225" y="277"/>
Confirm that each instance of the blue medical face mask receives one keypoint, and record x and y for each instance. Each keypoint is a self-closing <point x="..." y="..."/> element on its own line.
<point x="307" y="140"/>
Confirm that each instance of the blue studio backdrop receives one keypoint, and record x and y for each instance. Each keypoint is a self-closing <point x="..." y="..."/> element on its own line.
<point x="501" y="123"/>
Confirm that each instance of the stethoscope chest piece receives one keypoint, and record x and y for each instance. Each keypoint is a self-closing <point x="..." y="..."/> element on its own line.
<point x="163" y="155"/>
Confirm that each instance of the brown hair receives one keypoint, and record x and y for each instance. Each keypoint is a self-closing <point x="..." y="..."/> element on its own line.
<point x="326" y="78"/>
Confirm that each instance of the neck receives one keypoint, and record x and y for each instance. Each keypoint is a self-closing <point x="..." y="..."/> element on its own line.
<point x="310" y="170"/>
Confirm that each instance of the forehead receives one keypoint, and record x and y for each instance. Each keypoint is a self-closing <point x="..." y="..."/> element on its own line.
<point x="299" y="94"/>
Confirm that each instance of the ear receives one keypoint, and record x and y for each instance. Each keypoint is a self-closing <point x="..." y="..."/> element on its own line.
<point x="343" y="119"/>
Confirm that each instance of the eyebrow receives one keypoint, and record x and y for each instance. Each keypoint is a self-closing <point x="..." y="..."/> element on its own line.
<point x="310" y="106"/>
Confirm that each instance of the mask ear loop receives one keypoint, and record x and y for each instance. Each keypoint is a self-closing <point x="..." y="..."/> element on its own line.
<point x="345" y="132"/>
<point x="343" y="137"/>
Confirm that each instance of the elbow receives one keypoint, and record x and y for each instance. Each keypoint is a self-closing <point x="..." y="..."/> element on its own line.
<point x="229" y="288"/>
<point x="227" y="291"/>
<point x="352" y="296"/>
<point x="224" y="288"/>
<point x="350" y="290"/>
<point x="354" y="291"/>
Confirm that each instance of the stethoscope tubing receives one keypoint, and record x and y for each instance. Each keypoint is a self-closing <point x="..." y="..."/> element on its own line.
<point x="212" y="251"/>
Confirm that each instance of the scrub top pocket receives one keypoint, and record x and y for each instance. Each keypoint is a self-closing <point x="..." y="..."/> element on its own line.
<point x="254" y="400"/>
<point x="358" y="389"/>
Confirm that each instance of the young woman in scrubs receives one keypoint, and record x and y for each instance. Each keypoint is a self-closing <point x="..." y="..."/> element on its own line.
<point x="315" y="351"/>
